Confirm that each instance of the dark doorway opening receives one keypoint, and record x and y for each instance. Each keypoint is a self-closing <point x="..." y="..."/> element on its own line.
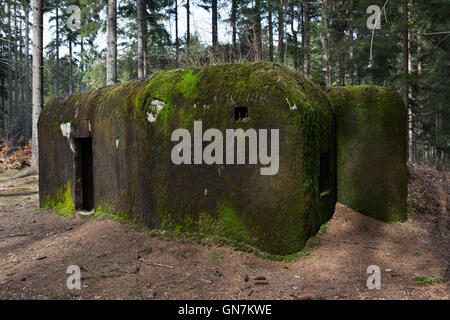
<point x="324" y="176"/>
<point x="240" y="113"/>
<point x="84" y="182"/>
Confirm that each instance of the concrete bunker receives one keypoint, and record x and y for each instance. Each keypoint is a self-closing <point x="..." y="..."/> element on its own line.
<point x="130" y="126"/>
<point x="371" y="151"/>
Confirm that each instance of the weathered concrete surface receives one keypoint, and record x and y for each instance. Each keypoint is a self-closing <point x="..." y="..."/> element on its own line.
<point x="371" y="151"/>
<point x="134" y="176"/>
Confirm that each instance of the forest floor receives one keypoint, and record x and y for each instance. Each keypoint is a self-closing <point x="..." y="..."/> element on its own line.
<point x="119" y="262"/>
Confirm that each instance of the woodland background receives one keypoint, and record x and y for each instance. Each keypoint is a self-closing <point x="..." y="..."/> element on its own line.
<point x="327" y="40"/>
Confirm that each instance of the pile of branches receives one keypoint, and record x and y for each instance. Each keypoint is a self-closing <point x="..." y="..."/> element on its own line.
<point x="15" y="159"/>
<point x="429" y="191"/>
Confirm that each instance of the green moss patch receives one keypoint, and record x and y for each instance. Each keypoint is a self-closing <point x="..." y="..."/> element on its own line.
<point x="63" y="204"/>
<point x="429" y="280"/>
<point x="371" y="151"/>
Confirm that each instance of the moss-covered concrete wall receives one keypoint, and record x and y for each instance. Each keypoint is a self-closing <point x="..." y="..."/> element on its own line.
<point x="137" y="179"/>
<point x="371" y="150"/>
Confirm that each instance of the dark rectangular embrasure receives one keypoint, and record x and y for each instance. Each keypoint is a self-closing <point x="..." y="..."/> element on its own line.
<point x="84" y="183"/>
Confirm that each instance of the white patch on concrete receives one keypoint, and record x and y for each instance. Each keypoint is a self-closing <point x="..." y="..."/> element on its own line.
<point x="65" y="130"/>
<point x="150" y="117"/>
<point x="155" y="108"/>
<point x="292" y="107"/>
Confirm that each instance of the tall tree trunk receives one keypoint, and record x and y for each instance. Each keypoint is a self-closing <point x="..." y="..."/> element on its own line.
<point x="437" y="140"/>
<point x="38" y="99"/>
<point x="111" y="60"/>
<point x="3" y="109"/>
<point x="10" y="78"/>
<point x="188" y="25"/>
<point x="22" y="81"/>
<point x="141" y="30"/>
<point x="358" y="65"/>
<point x="412" y="116"/>
<point x="177" y="43"/>
<point x="27" y="115"/>
<point x="340" y="29"/>
<point x="294" y="35"/>
<point x="420" y="140"/>
<point x="270" y="22"/>
<point x="307" y="18"/>
<point x="324" y="38"/>
<point x="82" y="62"/>
<point x="234" y="5"/>
<point x="406" y="74"/>
<point x="215" y="41"/>
<point x="258" y="31"/>
<point x="70" y="65"/>
<point x="281" y="31"/>
<point x="16" y="128"/>
<point x="341" y="39"/>
<point x="57" y="73"/>
<point x="350" y="51"/>
<point x="301" y="23"/>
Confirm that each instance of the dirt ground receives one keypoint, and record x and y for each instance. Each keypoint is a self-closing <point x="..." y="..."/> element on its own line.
<point x="118" y="262"/>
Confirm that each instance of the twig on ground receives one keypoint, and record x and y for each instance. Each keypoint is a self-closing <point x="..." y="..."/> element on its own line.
<point x="159" y="265"/>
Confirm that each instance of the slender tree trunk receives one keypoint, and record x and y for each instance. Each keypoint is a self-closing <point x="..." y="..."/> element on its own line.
<point x="70" y="65"/>
<point x="358" y="65"/>
<point x="140" y="25"/>
<point x="188" y="25"/>
<point x="258" y="31"/>
<point x="406" y="73"/>
<point x="340" y="29"/>
<point x="82" y="62"/>
<point x="38" y="99"/>
<point x="233" y="18"/>
<point x="57" y="73"/>
<point x="234" y="27"/>
<point x="324" y="38"/>
<point x="301" y="23"/>
<point x="22" y="81"/>
<point x="270" y="22"/>
<point x="281" y="31"/>
<point x="437" y="140"/>
<point x="16" y="122"/>
<point x="350" y="51"/>
<point x="177" y="43"/>
<point x="307" y="39"/>
<point x="341" y="38"/>
<point x="294" y="35"/>
<point x="27" y="127"/>
<point x="412" y="116"/>
<point x="3" y="110"/>
<point x="215" y="41"/>
<point x="111" y="62"/>
<point x="420" y="140"/>
<point x="10" y="78"/>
